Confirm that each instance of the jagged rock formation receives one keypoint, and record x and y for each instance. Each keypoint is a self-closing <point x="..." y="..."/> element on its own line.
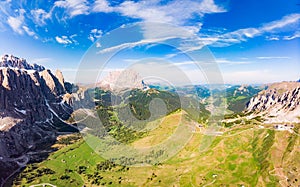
<point x="32" y="111"/>
<point x="122" y="80"/>
<point x="280" y="102"/>
<point x="20" y="63"/>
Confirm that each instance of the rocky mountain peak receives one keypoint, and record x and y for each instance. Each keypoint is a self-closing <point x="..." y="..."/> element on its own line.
<point x="20" y="63"/>
<point x="55" y="84"/>
<point x="280" y="102"/>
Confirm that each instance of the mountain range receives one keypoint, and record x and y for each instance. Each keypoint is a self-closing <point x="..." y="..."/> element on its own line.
<point x="37" y="107"/>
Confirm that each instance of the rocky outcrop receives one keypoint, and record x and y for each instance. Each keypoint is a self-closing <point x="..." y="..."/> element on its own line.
<point x="280" y="102"/>
<point x="60" y="78"/>
<point x="33" y="110"/>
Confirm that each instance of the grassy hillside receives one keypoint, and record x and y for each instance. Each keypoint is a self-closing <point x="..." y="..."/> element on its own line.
<point x="244" y="155"/>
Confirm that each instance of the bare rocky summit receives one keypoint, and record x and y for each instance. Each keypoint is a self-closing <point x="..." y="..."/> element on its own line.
<point x="280" y="102"/>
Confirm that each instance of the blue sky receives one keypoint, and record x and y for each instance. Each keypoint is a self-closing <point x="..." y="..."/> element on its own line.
<point x="253" y="41"/>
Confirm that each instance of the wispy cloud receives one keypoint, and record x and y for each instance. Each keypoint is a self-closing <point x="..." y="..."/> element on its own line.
<point x="288" y="22"/>
<point x="294" y="36"/>
<point x="272" y="57"/>
<point x="18" y="25"/>
<point x="40" y="16"/>
<point x="41" y="60"/>
<point x="185" y="63"/>
<point x="16" y="22"/>
<point x="176" y="12"/>
<point x="132" y="44"/>
<point x="230" y="62"/>
<point x="74" y="7"/>
<point x="30" y="32"/>
<point x="285" y="22"/>
<point x="272" y="38"/>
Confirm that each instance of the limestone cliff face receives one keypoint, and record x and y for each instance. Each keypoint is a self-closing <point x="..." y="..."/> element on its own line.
<point x="280" y="102"/>
<point x="32" y="111"/>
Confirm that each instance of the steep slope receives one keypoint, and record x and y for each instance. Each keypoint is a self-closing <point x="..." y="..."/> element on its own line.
<point x="32" y="112"/>
<point x="280" y="102"/>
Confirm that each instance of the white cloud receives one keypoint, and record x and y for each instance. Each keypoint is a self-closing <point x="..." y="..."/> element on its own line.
<point x="28" y="31"/>
<point x="18" y="25"/>
<point x="63" y="40"/>
<point x="184" y="63"/>
<point x="98" y="44"/>
<point x="16" y="22"/>
<point x="230" y="62"/>
<point x="154" y="32"/>
<point x="102" y="6"/>
<point x="294" y="36"/>
<point x="219" y="61"/>
<point x="272" y="38"/>
<point x="40" y="15"/>
<point x="132" y="44"/>
<point x="176" y="12"/>
<point x="286" y="21"/>
<point x="272" y="57"/>
<point x="74" y="7"/>
<point x="95" y="34"/>
<point x="147" y="11"/>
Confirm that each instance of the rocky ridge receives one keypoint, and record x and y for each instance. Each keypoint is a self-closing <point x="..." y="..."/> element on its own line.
<point x="20" y="63"/>
<point x="280" y="102"/>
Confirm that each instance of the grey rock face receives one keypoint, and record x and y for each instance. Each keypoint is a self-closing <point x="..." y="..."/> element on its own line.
<point x="280" y="100"/>
<point x="33" y="110"/>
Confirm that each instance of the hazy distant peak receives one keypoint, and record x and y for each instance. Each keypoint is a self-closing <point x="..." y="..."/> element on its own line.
<point x="122" y="80"/>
